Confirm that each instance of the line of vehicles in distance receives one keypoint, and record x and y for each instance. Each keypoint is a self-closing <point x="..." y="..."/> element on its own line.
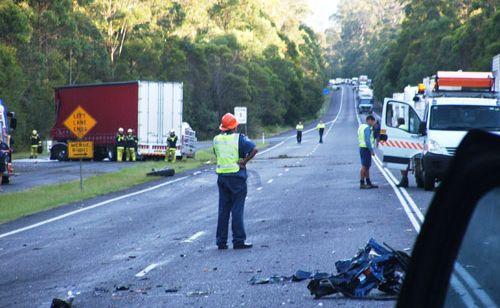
<point x="362" y="87"/>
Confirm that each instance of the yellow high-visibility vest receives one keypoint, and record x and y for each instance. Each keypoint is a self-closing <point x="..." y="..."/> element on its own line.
<point x="226" y="150"/>
<point x="361" y="136"/>
<point x="299" y="127"/>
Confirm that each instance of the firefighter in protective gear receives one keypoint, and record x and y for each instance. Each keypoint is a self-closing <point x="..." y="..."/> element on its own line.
<point x="321" y="129"/>
<point x="120" y="144"/>
<point x="299" y="128"/>
<point x="233" y="152"/>
<point x="35" y="142"/>
<point x="130" y="145"/>
<point x="171" y="147"/>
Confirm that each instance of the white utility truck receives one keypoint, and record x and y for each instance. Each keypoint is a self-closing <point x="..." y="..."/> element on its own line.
<point x="454" y="103"/>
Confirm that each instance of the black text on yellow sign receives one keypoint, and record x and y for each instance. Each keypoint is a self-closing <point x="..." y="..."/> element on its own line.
<point x="80" y="149"/>
<point x="80" y="122"/>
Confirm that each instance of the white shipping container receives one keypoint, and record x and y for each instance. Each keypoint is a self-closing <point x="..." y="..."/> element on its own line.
<point x="160" y="110"/>
<point x="495" y="68"/>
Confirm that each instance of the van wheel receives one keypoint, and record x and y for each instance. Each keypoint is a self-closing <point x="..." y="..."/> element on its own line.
<point x="419" y="177"/>
<point x="5" y="179"/>
<point x="429" y="181"/>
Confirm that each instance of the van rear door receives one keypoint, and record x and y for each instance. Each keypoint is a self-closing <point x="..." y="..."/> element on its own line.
<point x="400" y="127"/>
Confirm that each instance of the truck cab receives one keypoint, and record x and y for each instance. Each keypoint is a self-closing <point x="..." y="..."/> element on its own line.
<point x="6" y="119"/>
<point x="365" y="99"/>
<point x="425" y="141"/>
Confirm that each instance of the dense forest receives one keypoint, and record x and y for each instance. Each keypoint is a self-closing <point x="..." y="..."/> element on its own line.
<point x="398" y="42"/>
<point x="255" y="53"/>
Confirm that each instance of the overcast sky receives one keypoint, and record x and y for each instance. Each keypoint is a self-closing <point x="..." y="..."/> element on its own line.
<point x="321" y="11"/>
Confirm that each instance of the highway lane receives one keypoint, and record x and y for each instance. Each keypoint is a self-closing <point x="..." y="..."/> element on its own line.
<point x="304" y="211"/>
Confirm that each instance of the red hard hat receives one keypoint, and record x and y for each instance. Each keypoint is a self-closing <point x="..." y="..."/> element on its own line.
<point x="228" y="122"/>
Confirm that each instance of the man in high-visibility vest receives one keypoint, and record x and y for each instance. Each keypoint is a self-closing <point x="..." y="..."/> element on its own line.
<point x="321" y="129"/>
<point x="120" y="144"/>
<point x="35" y="142"/>
<point x="131" y="142"/>
<point x="171" y="147"/>
<point x="366" y="145"/>
<point x="233" y="152"/>
<point x="299" y="128"/>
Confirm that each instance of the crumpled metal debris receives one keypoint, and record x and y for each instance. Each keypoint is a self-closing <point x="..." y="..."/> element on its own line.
<point x="161" y="172"/>
<point x="372" y="267"/>
<point x="299" y="275"/>
<point x="66" y="303"/>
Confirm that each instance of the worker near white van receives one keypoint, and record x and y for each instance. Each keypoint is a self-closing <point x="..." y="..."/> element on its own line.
<point x="171" y="147"/>
<point x="131" y="142"/>
<point x="120" y="144"/>
<point x="233" y="152"/>
<point x="366" y="142"/>
<point x="404" y="173"/>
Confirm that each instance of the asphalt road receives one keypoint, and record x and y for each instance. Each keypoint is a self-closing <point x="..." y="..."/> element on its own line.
<point x="304" y="211"/>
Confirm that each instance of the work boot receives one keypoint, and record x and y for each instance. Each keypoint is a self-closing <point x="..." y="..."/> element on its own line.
<point x="403" y="183"/>
<point x="363" y="186"/>
<point x="243" y="246"/>
<point x="370" y="186"/>
<point x="222" y="247"/>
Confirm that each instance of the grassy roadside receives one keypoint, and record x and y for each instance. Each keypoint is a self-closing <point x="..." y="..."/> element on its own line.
<point x="19" y="204"/>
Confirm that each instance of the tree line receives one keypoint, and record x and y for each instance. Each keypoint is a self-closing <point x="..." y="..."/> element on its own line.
<point x="254" y="53"/>
<point x="399" y="42"/>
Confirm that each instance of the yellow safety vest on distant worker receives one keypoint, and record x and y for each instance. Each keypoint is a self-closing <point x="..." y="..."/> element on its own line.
<point x="299" y="127"/>
<point x="226" y="150"/>
<point x="361" y="136"/>
<point x="320" y="125"/>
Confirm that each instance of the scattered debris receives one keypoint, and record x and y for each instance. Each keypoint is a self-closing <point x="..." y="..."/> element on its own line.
<point x="372" y="267"/>
<point x="161" y="172"/>
<point x="59" y="303"/>
<point x="122" y="288"/>
<point x="196" y="293"/>
<point x="171" y="290"/>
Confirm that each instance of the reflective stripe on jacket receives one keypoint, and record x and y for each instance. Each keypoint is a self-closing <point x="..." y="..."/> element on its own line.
<point x="226" y="150"/>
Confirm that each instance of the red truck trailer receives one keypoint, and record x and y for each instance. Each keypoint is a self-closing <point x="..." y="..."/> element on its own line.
<point x="151" y="109"/>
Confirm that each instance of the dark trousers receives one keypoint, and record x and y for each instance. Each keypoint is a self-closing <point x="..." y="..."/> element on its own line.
<point x="299" y="136"/>
<point x="232" y="194"/>
<point x="321" y="131"/>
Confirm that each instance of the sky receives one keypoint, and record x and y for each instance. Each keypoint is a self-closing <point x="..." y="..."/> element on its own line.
<point x="321" y="11"/>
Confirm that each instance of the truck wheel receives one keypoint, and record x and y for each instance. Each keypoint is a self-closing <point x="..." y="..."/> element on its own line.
<point x="5" y="179"/>
<point x="419" y="178"/>
<point x="61" y="153"/>
<point x="429" y="181"/>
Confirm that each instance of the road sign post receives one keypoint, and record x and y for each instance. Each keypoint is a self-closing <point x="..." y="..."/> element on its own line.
<point x="241" y="115"/>
<point x="80" y="122"/>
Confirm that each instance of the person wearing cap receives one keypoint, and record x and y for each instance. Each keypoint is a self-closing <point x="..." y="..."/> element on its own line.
<point x="130" y="145"/>
<point x="120" y="144"/>
<point x="300" y="129"/>
<point x="171" y="147"/>
<point x="233" y="152"/>
<point x="35" y="142"/>
<point x="321" y="129"/>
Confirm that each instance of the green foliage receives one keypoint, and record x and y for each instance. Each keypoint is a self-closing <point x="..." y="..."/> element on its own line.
<point x="254" y="53"/>
<point x="400" y="45"/>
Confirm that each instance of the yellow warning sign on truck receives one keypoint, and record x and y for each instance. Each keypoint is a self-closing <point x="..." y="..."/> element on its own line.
<point x="80" y="149"/>
<point x="80" y="122"/>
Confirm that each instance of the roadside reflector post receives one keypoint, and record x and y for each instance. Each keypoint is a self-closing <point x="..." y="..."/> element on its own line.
<point x="263" y="138"/>
<point x="81" y="176"/>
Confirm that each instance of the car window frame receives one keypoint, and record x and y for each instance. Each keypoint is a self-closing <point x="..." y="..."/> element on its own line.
<point x="438" y="243"/>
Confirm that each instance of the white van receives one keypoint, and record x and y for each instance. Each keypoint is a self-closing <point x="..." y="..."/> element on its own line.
<point x="426" y="142"/>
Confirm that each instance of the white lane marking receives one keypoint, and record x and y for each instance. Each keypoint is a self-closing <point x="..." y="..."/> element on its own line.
<point x="286" y="170"/>
<point x="280" y="174"/>
<point x="459" y="270"/>
<point x="260" y="188"/>
<point x="297" y="162"/>
<point x="194" y="237"/>
<point x="197" y="172"/>
<point x="148" y="269"/>
<point x="44" y="222"/>
<point x="271" y="148"/>
<point x="270" y="181"/>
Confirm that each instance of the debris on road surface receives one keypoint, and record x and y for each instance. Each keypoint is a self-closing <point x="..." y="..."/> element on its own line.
<point x="372" y="267"/>
<point x="122" y="288"/>
<point x="300" y="275"/>
<point x="171" y="290"/>
<point x="59" y="303"/>
<point x="197" y="293"/>
<point x="161" y="172"/>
